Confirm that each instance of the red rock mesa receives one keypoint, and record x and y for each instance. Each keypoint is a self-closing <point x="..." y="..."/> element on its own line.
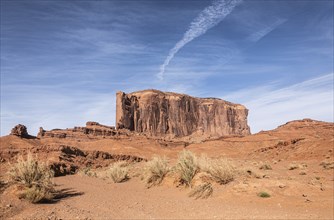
<point x="178" y="115"/>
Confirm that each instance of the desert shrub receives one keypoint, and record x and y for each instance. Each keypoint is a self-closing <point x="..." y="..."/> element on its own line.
<point x="204" y="162"/>
<point x="156" y="170"/>
<point x="202" y="191"/>
<point x="118" y="172"/>
<point x="263" y="194"/>
<point x="221" y="170"/>
<point x="87" y="171"/>
<point x="293" y="166"/>
<point x="327" y="165"/>
<point x="187" y="167"/>
<point x="34" y="176"/>
<point x="265" y="166"/>
<point x="36" y="194"/>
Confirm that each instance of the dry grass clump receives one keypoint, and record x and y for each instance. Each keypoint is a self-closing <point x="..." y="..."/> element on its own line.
<point x="118" y="172"/>
<point x="35" y="178"/>
<point x="202" y="191"/>
<point x="156" y="170"/>
<point x="37" y="194"/>
<point x="294" y="166"/>
<point x="87" y="171"/>
<point x="187" y="167"/>
<point x="265" y="166"/>
<point x="221" y="170"/>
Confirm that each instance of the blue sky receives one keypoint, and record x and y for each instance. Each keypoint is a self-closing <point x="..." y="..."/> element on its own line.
<point x="63" y="61"/>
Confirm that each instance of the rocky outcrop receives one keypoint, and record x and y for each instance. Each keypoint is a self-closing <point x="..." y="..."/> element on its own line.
<point x="20" y="131"/>
<point x="92" y="129"/>
<point x="177" y="115"/>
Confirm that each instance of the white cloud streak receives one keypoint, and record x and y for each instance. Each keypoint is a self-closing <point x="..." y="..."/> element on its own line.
<point x="270" y="106"/>
<point x="256" y="36"/>
<point x="208" y="18"/>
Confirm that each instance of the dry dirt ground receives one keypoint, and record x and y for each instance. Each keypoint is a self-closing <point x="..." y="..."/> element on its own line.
<point x="305" y="192"/>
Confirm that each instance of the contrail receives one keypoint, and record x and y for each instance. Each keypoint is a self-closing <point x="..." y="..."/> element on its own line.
<point x="260" y="34"/>
<point x="208" y="18"/>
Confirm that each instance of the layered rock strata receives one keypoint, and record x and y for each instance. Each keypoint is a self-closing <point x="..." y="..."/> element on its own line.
<point x="178" y="115"/>
<point x="92" y="129"/>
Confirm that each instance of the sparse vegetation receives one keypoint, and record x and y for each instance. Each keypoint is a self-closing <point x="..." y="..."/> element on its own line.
<point x="187" y="167"/>
<point x="302" y="173"/>
<point x="37" y="194"/>
<point x="156" y="170"/>
<point x="294" y="166"/>
<point x="202" y="191"/>
<point x="118" y="172"/>
<point x="327" y="165"/>
<point x="263" y="194"/>
<point x="87" y="171"/>
<point x="265" y="166"/>
<point x="34" y="177"/>
<point x="221" y="170"/>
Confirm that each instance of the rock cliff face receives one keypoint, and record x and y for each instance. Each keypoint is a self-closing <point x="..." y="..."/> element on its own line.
<point x="177" y="115"/>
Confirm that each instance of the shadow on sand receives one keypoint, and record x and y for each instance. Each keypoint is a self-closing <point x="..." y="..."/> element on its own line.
<point x="64" y="194"/>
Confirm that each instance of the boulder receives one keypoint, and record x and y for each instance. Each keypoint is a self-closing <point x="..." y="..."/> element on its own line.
<point x="20" y="131"/>
<point x="178" y="115"/>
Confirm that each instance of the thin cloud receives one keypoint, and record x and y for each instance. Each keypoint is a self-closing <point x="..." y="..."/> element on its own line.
<point x="270" y="106"/>
<point x="207" y="19"/>
<point x="256" y="36"/>
<point x="55" y="109"/>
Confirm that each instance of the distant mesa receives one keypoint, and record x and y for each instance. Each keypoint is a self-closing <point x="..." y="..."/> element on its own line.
<point x="158" y="114"/>
<point x="171" y="114"/>
<point x="93" y="129"/>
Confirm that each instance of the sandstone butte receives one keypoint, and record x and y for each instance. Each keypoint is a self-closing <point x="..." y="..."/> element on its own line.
<point x="168" y="114"/>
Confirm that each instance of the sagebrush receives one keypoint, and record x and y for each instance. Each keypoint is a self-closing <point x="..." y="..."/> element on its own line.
<point x="187" y="167"/>
<point x="118" y="172"/>
<point x="156" y="170"/>
<point x="35" y="177"/>
<point x="221" y="170"/>
<point x="265" y="166"/>
<point x="37" y="194"/>
<point x="87" y="171"/>
<point x="202" y="191"/>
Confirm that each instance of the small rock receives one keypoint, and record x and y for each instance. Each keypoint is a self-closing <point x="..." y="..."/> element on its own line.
<point x="9" y="206"/>
<point x="304" y="195"/>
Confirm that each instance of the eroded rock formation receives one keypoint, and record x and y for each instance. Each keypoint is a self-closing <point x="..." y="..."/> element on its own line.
<point x="93" y="129"/>
<point x="20" y="130"/>
<point x="177" y="115"/>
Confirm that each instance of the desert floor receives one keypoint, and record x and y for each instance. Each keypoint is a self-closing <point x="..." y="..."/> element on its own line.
<point x="305" y="192"/>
